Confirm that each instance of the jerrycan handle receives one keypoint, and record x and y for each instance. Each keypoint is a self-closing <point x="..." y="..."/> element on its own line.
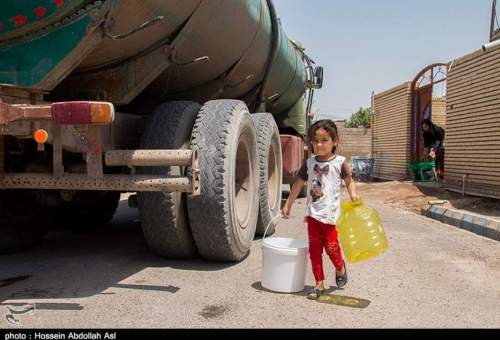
<point x="357" y="203"/>
<point x="348" y="205"/>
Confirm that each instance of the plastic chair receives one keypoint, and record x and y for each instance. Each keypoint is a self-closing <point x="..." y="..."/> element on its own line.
<point x="420" y="171"/>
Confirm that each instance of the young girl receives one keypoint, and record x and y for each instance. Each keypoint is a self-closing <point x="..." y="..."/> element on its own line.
<point x="323" y="173"/>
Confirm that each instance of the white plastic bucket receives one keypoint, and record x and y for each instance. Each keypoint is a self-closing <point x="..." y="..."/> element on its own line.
<point x="283" y="264"/>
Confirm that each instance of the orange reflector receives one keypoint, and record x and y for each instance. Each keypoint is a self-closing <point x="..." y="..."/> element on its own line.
<point x="101" y="113"/>
<point x="41" y="136"/>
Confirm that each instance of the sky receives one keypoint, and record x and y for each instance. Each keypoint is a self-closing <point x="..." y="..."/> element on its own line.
<point x="374" y="45"/>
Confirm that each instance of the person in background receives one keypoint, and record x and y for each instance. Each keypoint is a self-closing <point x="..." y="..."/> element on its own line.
<point x="434" y="145"/>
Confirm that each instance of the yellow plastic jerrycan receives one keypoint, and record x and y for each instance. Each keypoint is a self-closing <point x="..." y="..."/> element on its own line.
<point x="360" y="232"/>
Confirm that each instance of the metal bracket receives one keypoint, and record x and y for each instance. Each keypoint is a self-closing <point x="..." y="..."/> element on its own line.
<point x="272" y="98"/>
<point x="109" y="23"/>
<point x="95" y="167"/>
<point x="173" y="59"/>
<point x="123" y="183"/>
<point x="195" y="172"/>
<point x="250" y="76"/>
<point x="57" y="153"/>
<point x="17" y="112"/>
<point x="133" y="158"/>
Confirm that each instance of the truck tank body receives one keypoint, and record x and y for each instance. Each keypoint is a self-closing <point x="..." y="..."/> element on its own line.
<point x="26" y="31"/>
<point x="199" y="50"/>
<point x="20" y="17"/>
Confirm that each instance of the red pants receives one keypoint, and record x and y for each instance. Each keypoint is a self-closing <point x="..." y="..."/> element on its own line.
<point x="323" y="235"/>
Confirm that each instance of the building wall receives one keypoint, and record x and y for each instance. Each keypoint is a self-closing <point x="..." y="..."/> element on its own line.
<point x="391" y="132"/>
<point x="473" y="123"/>
<point x="354" y="142"/>
<point x="439" y="111"/>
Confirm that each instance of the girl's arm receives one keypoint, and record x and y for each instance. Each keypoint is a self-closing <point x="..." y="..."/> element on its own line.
<point x="351" y="188"/>
<point x="294" y="193"/>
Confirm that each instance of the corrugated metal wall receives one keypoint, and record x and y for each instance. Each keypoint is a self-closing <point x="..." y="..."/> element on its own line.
<point x="391" y="132"/>
<point x="439" y="111"/>
<point x="473" y="123"/>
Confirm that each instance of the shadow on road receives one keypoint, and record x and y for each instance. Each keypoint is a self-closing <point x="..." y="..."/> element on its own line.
<point x="328" y="297"/>
<point x="48" y="306"/>
<point x="258" y="286"/>
<point x="76" y="264"/>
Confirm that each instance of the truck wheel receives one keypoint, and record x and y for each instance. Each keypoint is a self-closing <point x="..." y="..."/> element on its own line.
<point x="163" y="214"/>
<point x="23" y="222"/>
<point x="271" y="172"/>
<point x="88" y="209"/>
<point x="224" y="217"/>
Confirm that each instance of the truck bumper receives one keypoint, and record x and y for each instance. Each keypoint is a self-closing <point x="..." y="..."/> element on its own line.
<point x="95" y="115"/>
<point x="124" y="183"/>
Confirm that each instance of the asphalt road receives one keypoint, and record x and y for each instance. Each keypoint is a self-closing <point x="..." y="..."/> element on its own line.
<point x="433" y="275"/>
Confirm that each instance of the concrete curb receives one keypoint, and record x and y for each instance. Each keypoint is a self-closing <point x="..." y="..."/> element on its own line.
<point x="477" y="224"/>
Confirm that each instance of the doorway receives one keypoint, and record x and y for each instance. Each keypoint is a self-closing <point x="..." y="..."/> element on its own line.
<point x="428" y="98"/>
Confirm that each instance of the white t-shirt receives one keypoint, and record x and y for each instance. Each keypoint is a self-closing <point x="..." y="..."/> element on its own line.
<point x="324" y="187"/>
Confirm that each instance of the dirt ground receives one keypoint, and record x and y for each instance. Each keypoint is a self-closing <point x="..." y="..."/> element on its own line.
<point x="412" y="197"/>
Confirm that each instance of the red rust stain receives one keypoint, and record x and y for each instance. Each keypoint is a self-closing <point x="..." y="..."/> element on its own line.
<point x="19" y="20"/>
<point x="40" y="11"/>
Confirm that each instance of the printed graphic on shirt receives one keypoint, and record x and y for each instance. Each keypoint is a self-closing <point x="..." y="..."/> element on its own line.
<point x="317" y="182"/>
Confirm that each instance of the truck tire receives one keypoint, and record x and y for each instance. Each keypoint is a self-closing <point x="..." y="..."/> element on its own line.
<point x="224" y="217"/>
<point x="271" y="172"/>
<point x="88" y="209"/>
<point x="23" y="222"/>
<point x="163" y="214"/>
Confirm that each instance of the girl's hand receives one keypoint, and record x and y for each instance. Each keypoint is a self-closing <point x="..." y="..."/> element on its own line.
<point x="355" y="198"/>
<point x="285" y="212"/>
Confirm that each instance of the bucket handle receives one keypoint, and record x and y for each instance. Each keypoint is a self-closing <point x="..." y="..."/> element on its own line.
<point x="269" y="224"/>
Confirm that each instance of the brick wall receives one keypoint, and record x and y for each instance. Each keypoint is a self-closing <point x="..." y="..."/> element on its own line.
<point x="354" y="142"/>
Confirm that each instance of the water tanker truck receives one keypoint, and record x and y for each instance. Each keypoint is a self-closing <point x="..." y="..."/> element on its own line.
<point x="182" y="103"/>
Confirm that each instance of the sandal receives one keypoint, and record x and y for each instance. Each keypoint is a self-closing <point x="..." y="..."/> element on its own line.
<point x="341" y="280"/>
<point x="315" y="293"/>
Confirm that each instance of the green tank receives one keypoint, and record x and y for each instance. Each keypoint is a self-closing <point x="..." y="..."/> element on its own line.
<point x="142" y="53"/>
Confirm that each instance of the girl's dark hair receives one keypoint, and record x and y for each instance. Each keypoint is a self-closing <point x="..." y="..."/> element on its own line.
<point x="327" y="125"/>
<point x="430" y="124"/>
<point x="427" y="122"/>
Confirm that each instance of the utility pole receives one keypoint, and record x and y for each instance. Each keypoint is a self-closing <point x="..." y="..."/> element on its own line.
<point x="494" y="33"/>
